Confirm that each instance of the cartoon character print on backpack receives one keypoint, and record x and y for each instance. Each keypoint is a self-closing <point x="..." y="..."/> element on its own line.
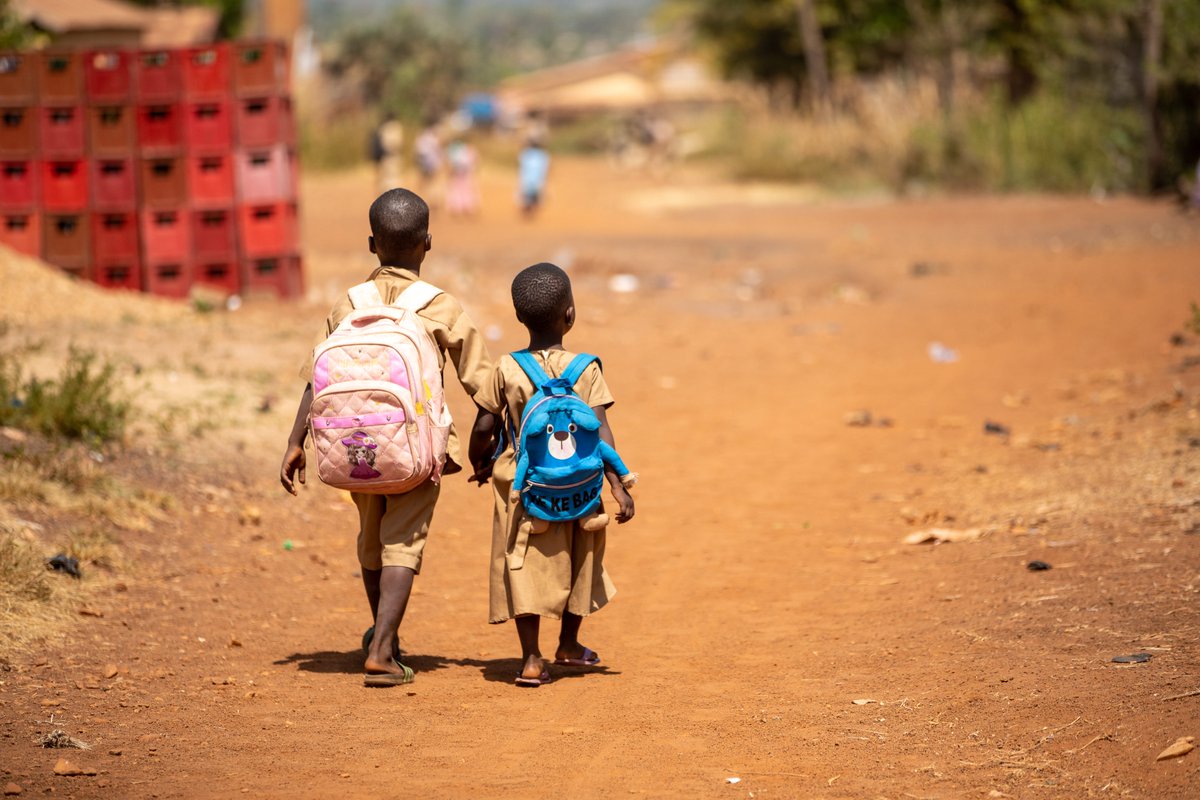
<point x="562" y="459"/>
<point x="360" y="449"/>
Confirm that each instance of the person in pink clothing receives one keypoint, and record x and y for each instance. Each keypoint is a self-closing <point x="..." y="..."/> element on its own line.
<point x="462" y="196"/>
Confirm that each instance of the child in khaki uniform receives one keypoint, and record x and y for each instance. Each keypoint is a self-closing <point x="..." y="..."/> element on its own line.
<point x="393" y="528"/>
<point x="558" y="573"/>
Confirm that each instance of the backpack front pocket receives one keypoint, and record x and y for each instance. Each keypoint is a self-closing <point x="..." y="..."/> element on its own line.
<point x="366" y="437"/>
<point x="559" y="498"/>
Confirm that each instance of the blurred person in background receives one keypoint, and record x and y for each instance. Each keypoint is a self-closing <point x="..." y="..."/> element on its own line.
<point x="533" y="165"/>
<point x="387" y="144"/>
<point x="462" y="195"/>
<point x="427" y="152"/>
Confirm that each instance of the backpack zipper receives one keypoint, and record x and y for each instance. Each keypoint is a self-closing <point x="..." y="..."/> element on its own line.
<point x="588" y="479"/>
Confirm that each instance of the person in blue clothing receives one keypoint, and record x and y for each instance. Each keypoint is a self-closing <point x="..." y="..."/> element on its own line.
<point x="533" y="167"/>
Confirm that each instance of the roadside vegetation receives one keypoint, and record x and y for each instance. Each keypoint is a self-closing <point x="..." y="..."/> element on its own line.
<point x="61" y="506"/>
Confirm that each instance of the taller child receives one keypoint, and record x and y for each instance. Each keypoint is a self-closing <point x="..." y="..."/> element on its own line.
<point x="393" y="528"/>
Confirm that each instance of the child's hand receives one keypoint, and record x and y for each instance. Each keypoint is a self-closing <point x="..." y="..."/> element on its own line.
<point x="293" y="463"/>
<point x="482" y="473"/>
<point x="624" y="503"/>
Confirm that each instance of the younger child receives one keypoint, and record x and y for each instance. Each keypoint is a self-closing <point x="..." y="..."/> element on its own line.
<point x="558" y="573"/>
<point x="393" y="528"/>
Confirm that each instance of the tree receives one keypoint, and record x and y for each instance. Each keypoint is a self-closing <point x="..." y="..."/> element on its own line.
<point x="814" y="53"/>
<point x="774" y="43"/>
<point x="402" y="65"/>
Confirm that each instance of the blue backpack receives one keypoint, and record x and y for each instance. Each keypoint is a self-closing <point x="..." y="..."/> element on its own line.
<point x="560" y="456"/>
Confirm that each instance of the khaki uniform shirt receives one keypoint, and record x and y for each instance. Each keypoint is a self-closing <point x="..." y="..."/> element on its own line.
<point x="457" y="339"/>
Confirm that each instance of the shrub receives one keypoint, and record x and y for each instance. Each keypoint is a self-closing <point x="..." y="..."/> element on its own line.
<point x="85" y="402"/>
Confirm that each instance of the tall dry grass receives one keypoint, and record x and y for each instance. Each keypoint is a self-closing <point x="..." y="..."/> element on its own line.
<point x="894" y="133"/>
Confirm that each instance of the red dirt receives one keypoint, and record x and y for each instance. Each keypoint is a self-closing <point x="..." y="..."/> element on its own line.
<point x="764" y="585"/>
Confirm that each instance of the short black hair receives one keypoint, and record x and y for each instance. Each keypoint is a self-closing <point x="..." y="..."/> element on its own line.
<point x="399" y="220"/>
<point x="541" y="295"/>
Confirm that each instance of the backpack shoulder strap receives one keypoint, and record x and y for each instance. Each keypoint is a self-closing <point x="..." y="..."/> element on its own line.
<point x="417" y="295"/>
<point x="533" y="370"/>
<point x="574" y="370"/>
<point x="365" y="295"/>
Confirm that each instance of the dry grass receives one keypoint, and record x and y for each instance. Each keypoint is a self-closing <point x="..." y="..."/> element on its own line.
<point x="90" y="505"/>
<point x="35" y="603"/>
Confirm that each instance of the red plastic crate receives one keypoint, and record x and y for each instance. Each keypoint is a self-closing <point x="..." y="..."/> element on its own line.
<point x="158" y="76"/>
<point x="208" y="125"/>
<point x="206" y="72"/>
<point x="60" y="77"/>
<point x="287" y="121"/>
<point x="64" y="184"/>
<point x="162" y="181"/>
<point x="210" y="179"/>
<point x="169" y="277"/>
<point x="266" y="228"/>
<point x="61" y="132"/>
<point x="108" y="75"/>
<point x="159" y="127"/>
<point x="123" y="272"/>
<point x="21" y="231"/>
<point x="280" y="273"/>
<point x="166" y="235"/>
<point x="65" y="238"/>
<point x="219" y="272"/>
<point x="260" y="68"/>
<point x="213" y="232"/>
<point x="263" y="121"/>
<point x="114" y="234"/>
<point x="18" y="131"/>
<point x="263" y="174"/>
<point x="18" y="77"/>
<point x="111" y="130"/>
<point x="113" y="183"/>
<point x="19" y="185"/>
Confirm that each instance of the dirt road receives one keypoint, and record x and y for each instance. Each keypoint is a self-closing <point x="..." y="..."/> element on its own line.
<point x="771" y="624"/>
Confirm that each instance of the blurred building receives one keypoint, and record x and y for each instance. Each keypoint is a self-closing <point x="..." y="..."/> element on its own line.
<point x="109" y="23"/>
<point x="275" y="19"/>
<point x="658" y="74"/>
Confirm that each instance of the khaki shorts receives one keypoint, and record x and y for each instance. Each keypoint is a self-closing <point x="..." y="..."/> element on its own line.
<point x="393" y="527"/>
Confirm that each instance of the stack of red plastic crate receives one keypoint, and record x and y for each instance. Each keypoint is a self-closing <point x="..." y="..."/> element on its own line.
<point x="154" y="170"/>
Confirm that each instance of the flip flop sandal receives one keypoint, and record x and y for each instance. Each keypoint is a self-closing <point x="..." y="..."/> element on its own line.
<point x="589" y="659"/>
<point x="368" y="636"/>
<point x="381" y="679"/>
<point x="544" y="678"/>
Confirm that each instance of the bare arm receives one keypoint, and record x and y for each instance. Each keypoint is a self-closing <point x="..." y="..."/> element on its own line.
<point x="620" y="493"/>
<point x="293" y="458"/>
<point x="483" y="441"/>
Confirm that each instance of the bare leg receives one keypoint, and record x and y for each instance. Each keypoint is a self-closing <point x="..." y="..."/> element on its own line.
<point x="527" y="630"/>
<point x="568" y="637"/>
<point x="395" y="586"/>
<point x="370" y="579"/>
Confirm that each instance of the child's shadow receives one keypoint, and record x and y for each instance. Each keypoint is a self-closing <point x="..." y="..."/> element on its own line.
<point x="505" y="670"/>
<point x="497" y="670"/>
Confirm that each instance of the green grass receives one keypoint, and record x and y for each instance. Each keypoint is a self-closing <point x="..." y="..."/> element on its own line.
<point x="85" y="401"/>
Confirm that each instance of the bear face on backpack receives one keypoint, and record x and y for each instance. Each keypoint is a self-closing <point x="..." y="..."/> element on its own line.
<point x="561" y="458"/>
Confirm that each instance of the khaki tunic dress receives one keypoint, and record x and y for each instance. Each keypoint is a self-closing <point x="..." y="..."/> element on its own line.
<point x="393" y="528"/>
<point x="561" y="569"/>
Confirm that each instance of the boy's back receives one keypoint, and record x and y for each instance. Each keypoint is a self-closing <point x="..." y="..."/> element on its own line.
<point x="452" y="330"/>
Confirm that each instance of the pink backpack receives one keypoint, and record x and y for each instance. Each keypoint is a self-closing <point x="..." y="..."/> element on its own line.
<point x="379" y="419"/>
